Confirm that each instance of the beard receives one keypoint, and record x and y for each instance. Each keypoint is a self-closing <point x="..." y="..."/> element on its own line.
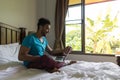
<point x="43" y="34"/>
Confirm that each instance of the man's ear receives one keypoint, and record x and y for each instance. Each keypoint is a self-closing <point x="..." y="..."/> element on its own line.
<point x="40" y="27"/>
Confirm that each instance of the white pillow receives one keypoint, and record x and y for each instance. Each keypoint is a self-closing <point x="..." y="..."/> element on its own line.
<point x="13" y="44"/>
<point x="9" y="52"/>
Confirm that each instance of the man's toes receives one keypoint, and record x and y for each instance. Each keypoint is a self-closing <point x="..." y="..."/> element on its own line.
<point x="72" y="62"/>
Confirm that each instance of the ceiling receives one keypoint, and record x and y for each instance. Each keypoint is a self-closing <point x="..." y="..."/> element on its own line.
<point x="73" y="2"/>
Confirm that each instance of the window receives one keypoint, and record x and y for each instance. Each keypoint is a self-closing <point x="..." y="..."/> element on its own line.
<point x="74" y="25"/>
<point x="102" y="27"/>
<point x="93" y="26"/>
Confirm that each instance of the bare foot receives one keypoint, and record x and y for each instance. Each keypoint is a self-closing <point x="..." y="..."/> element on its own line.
<point x="54" y="70"/>
<point x="71" y="62"/>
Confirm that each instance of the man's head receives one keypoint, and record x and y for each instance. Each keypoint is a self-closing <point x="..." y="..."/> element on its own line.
<point x="43" y="26"/>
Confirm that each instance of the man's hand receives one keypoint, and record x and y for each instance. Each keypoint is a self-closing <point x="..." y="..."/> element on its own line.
<point x="67" y="50"/>
<point x="63" y="52"/>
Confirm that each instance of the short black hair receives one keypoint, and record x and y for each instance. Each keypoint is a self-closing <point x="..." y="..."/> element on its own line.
<point x="42" y="22"/>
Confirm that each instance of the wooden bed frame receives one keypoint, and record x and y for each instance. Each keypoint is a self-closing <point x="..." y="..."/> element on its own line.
<point x="11" y="34"/>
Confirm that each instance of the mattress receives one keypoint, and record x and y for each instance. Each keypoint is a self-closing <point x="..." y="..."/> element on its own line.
<point x="82" y="70"/>
<point x="12" y="69"/>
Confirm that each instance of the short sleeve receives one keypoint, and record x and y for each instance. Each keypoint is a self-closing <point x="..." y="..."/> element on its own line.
<point x="27" y="41"/>
<point x="46" y="42"/>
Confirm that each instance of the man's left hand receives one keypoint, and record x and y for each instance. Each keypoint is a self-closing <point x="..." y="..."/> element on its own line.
<point x="67" y="50"/>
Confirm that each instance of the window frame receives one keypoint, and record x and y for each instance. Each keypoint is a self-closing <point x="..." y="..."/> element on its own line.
<point x="82" y="33"/>
<point x="82" y="27"/>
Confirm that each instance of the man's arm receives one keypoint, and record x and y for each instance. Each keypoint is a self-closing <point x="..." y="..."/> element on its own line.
<point x="49" y="49"/>
<point x="63" y="52"/>
<point x="52" y="52"/>
<point x="24" y="56"/>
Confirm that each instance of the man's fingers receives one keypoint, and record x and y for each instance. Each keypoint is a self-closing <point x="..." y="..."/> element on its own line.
<point x="67" y="50"/>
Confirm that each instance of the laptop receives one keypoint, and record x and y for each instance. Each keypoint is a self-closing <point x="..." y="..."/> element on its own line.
<point x="61" y="58"/>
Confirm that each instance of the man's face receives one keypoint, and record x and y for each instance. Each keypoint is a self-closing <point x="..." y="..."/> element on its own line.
<point x="45" y="29"/>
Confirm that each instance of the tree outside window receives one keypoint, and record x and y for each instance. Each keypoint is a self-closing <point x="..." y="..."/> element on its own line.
<point x="102" y="29"/>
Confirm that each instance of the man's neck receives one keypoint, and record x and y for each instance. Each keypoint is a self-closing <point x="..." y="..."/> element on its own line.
<point x="39" y="35"/>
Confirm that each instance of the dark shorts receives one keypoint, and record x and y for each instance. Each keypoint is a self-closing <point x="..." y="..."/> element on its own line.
<point x="46" y="63"/>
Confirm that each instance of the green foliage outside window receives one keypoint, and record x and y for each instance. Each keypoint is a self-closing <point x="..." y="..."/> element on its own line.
<point x="98" y="38"/>
<point x="73" y="36"/>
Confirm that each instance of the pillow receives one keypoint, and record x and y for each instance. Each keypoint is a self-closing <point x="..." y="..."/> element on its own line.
<point x="13" y="44"/>
<point x="9" y="52"/>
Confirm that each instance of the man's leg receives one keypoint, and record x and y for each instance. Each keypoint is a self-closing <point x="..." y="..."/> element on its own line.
<point x="47" y="64"/>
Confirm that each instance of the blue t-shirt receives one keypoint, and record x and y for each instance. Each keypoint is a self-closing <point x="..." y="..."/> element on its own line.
<point x="36" y="46"/>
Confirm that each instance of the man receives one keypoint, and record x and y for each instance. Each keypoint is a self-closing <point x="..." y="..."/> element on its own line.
<point x="32" y="50"/>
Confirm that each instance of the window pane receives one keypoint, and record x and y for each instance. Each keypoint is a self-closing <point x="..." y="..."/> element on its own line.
<point x="102" y="27"/>
<point x="73" y="36"/>
<point x="74" y="13"/>
<point x="73" y="28"/>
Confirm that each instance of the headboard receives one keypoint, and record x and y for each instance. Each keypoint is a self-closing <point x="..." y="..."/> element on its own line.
<point x="11" y="34"/>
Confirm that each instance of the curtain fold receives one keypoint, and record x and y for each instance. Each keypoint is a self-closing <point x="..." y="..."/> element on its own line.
<point x="60" y="14"/>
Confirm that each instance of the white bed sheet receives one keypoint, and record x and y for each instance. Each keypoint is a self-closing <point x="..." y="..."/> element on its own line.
<point x="81" y="70"/>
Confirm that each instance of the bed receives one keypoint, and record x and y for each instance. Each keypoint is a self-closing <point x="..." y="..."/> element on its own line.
<point x="12" y="69"/>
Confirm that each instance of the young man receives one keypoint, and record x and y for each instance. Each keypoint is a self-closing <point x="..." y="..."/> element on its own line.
<point x="34" y="46"/>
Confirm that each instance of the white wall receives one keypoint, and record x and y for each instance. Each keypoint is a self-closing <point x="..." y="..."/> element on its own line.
<point x="25" y="13"/>
<point x="46" y="8"/>
<point x="19" y="13"/>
